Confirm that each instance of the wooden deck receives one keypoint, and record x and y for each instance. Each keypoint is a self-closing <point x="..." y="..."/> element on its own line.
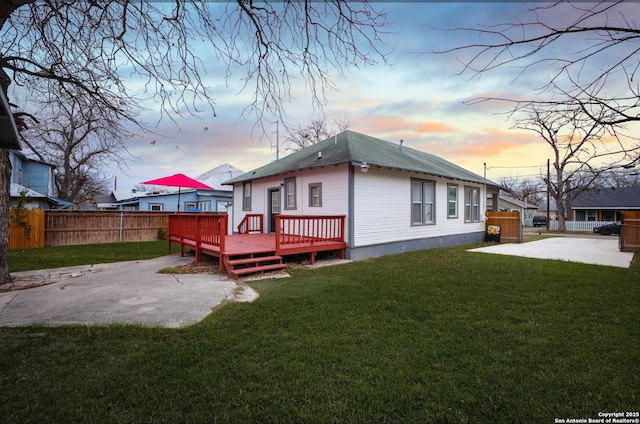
<point x="254" y="251"/>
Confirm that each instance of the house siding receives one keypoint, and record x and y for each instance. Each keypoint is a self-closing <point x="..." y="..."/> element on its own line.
<point x="38" y="177"/>
<point x="335" y="193"/>
<point x="381" y="205"/>
<point x="382" y="209"/>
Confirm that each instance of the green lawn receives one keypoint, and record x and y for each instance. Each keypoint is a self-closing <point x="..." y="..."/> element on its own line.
<point x="442" y="336"/>
<point x="54" y="257"/>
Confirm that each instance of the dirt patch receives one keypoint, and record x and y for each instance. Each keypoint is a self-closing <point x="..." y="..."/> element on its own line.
<point x="206" y="266"/>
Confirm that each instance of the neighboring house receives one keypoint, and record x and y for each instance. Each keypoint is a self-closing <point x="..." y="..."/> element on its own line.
<point x="507" y="203"/>
<point x="31" y="180"/>
<point x="395" y="198"/>
<point x="167" y="198"/>
<point x="605" y="204"/>
<point x="553" y="210"/>
<point x="34" y="180"/>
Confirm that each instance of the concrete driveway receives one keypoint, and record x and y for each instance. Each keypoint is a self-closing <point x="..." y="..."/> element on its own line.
<point x="125" y="292"/>
<point x="598" y="250"/>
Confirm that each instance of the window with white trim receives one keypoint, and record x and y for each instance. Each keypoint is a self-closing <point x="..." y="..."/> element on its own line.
<point x="156" y="206"/>
<point x="423" y="197"/>
<point x="471" y="204"/>
<point x="246" y="196"/>
<point x="452" y="200"/>
<point x="290" y="193"/>
<point x="315" y="194"/>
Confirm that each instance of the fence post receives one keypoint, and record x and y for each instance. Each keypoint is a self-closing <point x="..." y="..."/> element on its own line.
<point x="121" y="223"/>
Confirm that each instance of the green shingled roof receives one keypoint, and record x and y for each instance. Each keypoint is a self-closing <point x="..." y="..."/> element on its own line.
<point x="350" y="146"/>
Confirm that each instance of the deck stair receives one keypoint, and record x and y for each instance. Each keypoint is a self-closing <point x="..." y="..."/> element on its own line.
<point x="250" y="263"/>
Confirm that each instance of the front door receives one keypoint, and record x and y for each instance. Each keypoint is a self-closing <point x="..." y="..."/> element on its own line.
<point x="274" y="201"/>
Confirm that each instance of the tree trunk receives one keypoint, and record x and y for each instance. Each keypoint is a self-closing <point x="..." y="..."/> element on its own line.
<point x="6" y="9"/>
<point x="562" y="227"/>
<point x="5" y="198"/>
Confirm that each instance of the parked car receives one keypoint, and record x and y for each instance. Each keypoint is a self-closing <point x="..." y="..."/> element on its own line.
<point x="539" y="221"/>
<point x="608" y="229"/>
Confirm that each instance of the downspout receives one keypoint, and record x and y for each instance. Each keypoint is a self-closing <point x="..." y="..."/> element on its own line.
<point x="351" y="209"/>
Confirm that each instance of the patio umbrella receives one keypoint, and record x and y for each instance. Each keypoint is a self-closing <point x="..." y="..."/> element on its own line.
<point x="178" y="180"/>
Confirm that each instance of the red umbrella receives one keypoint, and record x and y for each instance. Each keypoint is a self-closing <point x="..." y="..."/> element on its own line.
<point x="180" y="181"/>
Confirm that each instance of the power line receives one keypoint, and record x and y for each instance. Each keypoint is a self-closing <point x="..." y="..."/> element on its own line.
<point x="514" y="176"/>
<point x="515" y="167"/>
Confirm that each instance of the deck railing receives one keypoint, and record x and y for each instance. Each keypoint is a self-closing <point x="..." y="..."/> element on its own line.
<point x="292" y="229"/>
<point x="251" y="223"/>
<point x="201" y="228"/>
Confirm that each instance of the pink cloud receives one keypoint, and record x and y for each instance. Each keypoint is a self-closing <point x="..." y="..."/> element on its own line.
<point x="434" y="127"/>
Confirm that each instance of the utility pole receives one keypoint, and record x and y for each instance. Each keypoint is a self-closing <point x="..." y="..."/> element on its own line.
<point x="277" y="139"/>
<point x="548" y="197"/>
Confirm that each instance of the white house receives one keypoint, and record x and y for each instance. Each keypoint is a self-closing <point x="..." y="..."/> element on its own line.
<point x="395" y="198"/>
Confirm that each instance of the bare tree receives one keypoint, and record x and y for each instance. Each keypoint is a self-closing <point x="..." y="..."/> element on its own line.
<point x="527" y="190"/>
<point x="583" y="149"/>
<point x="94" y="48"/>
<point x="80" y="139"/>
<point x="617" y="178"/>
<point x="305" y="135"/>
<point x="589" y="55"/>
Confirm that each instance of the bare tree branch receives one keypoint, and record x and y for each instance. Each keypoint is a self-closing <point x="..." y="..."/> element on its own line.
<point x="586" y="56"/>
<point x="81" y="139"/>
<point x="305" y="135"/>
<point x="176" y="48"/>
<point x="583" y="149"/>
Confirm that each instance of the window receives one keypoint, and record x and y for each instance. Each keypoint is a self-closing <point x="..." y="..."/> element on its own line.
<point x="422" y="202"/>
<point x="315" y="194"/>
<point x="205" y="206"/>
<point x="275" y="201"/>
<point x="190" y="206"/>
<point x="290" y="193"/>
<point x="221" y="206"/>
<point x="246" y="196"/>
<point x="452" y="201"/>
<point x="471" y="204"/>
<point x="155" y="206"/>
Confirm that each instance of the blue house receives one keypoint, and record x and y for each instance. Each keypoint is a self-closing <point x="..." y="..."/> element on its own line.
<point x="168" y="198"/>
<point x="34" y="180"/>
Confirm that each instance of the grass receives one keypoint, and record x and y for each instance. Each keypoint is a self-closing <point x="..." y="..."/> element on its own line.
<point x="443" y="336"/>
<point x="61" y="256"/>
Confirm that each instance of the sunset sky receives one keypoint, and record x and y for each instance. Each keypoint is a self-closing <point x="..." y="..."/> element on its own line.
<point x="418" y="97"/>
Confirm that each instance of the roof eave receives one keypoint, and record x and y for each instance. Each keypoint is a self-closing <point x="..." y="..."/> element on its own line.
<point x="9" y="138"/>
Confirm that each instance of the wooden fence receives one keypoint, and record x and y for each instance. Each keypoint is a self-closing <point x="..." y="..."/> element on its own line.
<point x="26" y="229"/>
<point x="506" y="225"/>
<point x="64" y="228"/>
<point x="629" y="240"/>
